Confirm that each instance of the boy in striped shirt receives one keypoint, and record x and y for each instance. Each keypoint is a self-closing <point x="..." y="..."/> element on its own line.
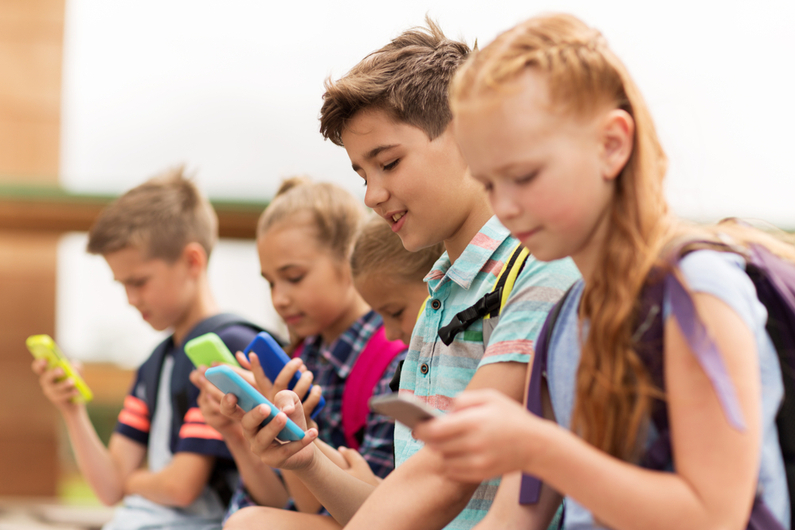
<point x="390" y="113"/>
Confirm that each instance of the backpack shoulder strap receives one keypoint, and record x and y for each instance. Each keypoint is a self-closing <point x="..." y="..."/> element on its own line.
<point x="491" y="303"/>
<point x="182" y="364"/>
<point x="364" y="377"/>
<point x="531" y="487"/>
<point x="150" y="373"/>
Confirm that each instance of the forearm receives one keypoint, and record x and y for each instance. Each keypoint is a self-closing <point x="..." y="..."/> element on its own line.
<point x="339" y="492"/>
<point x="158" y="487"/>
<point x="93" y="458"/>
<point x="260" y="480"/>
<point x="415" y="496"/>
<point x="628" y="496"/>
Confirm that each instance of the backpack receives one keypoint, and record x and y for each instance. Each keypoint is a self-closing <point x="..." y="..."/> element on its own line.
<point x="365" y="374"/>
<point x="774" y="280"/>
<point x="150" y="376"/>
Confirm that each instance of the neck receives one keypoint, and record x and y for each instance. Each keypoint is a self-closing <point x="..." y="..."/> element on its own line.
<point x="478" y="216"/>
<point x="202" y="307"/>
<point x="353" y="312"/>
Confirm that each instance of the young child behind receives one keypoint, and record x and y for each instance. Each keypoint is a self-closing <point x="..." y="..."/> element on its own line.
<point x="554" y="127"/>
<point x="390" y="278"/>
<point x="162" y="457"/>
<point x="390" y="113"/>
<point x="305" y="238"/>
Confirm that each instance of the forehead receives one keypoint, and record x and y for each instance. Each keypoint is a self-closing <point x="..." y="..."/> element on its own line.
<point x="369" y="128"/>
<point x="292" y="240"/>
<point x="516" y="120"/>
<point x="129" y="261"/>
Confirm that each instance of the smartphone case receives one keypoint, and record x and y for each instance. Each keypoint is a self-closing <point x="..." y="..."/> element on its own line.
<point x="273" y="359"/>
<point x="228" y="381"/>
<point x="406" y="411"/>
<point x="43" y="346"/>
<point x="209" y="348"/>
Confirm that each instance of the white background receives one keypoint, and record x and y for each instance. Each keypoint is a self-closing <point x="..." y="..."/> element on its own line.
<point x="233" y="89"/>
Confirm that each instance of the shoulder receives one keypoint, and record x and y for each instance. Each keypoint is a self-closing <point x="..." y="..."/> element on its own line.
<point x="237" y="336"/>
<point x="541" y="284"/>
<point x="723" y="276"/>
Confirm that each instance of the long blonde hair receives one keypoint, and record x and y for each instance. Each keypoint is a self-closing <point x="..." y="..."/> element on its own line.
<point x="614" y="391"/>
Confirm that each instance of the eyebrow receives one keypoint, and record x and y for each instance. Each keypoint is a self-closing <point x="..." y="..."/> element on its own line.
<point x="374" y="153"/>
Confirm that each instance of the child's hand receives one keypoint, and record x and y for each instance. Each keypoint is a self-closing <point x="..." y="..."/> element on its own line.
<point x="58" y="390"/>
<point x="486" y="435"/>
<point x="289" y="456"/>
<point x="209" y="402"/>
<point x="358" y="466"/>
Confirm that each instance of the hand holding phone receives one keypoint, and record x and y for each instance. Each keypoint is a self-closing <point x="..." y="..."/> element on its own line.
<point x="404" y="410"/>
<point x="209" y="348"/>
<point x="228" y="381"/>
<point x="273" y="358"/>
<point x="43" y="347"/>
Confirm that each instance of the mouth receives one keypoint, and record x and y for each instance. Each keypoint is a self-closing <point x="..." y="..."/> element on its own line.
<point x="396" y="219"/>
<point x="523" y="236"/>
<point x="292" y="319"/>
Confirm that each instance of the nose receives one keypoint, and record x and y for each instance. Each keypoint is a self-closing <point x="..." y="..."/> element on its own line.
<point x="132" y="296"/>
<point x="503" y="203"/>
<point x="279" y="297"/>
<point x="376" y="192"/>
<point x="392" y="333"/>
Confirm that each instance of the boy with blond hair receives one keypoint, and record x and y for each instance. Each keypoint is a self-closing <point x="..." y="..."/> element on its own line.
<point x="162" y="458"/>
<point x="391" y="115"/>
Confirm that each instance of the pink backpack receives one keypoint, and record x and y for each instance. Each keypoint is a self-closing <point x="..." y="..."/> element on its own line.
<point x="365" y="375"/>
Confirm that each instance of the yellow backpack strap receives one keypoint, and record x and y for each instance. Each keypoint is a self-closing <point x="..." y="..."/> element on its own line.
<point x="491" y="303"/>
<point x="507" y="277"/>
<point x="422" y="308"/>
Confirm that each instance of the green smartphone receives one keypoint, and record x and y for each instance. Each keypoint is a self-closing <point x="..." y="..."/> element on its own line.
<point x="42" y="346"/>
<point x="209" y="348"/>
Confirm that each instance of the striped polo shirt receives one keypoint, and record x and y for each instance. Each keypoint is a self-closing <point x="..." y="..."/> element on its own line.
<point x="435" y="373"/>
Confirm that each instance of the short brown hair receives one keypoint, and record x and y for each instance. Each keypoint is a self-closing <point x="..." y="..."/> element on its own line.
<point x="161" y="216"/>
<point x="336" y="214"/>
<point x="380" y="250"/>
<point x="408" y="78"/>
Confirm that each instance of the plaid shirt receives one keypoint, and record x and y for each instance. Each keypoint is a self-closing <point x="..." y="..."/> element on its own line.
<point x="331" y="365"/>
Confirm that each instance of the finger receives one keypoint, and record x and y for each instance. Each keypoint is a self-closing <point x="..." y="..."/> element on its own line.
<point x="229" y="407"/>
<point x="196" y="378"/>
<point x="304" y="384"/>
<point x="475" y="398"/>
<point x="243" y="360"/>
<point x="282" y="381"/>
<point x="313" y="399"/>
<point x="251" y="421"/>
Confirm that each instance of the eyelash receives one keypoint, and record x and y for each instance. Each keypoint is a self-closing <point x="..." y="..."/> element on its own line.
<point x="391" y="165"/>
<point x="397" y="314"/>
<point x="295" y="280"/>
<point x="527" y="178"/>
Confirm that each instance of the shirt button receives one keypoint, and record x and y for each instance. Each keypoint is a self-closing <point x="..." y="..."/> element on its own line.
<point x="436" y="304"/>
<point x="424" y="368"/>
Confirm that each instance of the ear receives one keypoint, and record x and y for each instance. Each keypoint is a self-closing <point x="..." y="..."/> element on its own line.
<point x="618" y="140"/>
<point x="195" y="258"/>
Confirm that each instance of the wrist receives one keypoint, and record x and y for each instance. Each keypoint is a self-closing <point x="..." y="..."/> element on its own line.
<point x="543" y="438"/>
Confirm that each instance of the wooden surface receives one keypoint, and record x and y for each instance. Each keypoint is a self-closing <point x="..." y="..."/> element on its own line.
<point x="28" y="422"/>
<point x="31" y="50"/>
<point x="51" y="210"/>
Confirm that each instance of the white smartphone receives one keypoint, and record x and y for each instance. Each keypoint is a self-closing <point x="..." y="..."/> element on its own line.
<point x="405" y="410"/>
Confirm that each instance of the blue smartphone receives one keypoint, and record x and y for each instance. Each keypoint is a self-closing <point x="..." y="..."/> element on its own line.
<point x="228" y="381"/>
<point x="273" y="359"/>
